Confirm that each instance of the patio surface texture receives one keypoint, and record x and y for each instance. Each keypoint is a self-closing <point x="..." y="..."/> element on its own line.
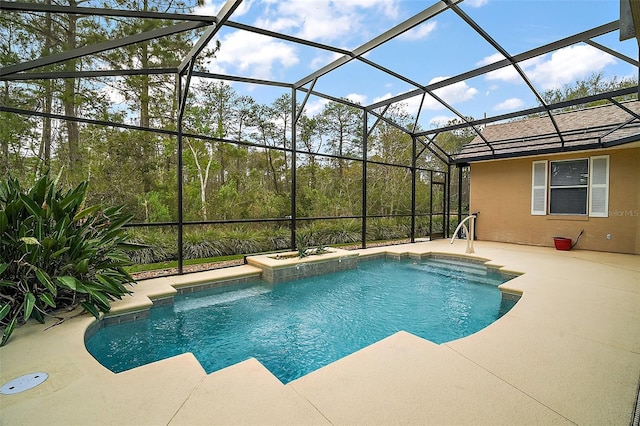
<point x="567" y="353"/>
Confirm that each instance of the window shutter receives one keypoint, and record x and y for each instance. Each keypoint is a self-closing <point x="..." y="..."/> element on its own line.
<point x="599" y="187"/>
<point x="539" y="188"/>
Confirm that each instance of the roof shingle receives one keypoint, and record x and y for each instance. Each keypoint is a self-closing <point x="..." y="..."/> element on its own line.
<point x="589" y="128"/>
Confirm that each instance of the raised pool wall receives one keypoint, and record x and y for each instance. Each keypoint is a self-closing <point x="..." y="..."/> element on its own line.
<point x="277" y="268"/>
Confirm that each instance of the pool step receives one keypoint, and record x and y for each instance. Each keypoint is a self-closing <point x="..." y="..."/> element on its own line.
<point x="457" y="270"/>
<point x="456" y="265"/>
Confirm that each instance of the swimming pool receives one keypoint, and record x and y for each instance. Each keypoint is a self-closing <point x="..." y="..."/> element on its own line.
<point x="296" y="327"/>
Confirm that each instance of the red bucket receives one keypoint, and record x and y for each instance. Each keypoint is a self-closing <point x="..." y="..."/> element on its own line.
<point x="562" y="243"/>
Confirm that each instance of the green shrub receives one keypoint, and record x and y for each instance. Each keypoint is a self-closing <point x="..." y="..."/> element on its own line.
<point x="339" y="232"/>
<point x="151" y="254"/>
<point x="197" y="246"/>
<point x="241" y="241"/>
<point x="278" y="240"/>
<point x="56" y="253"/>
<point x="306" y="236"/>
<point x="328" y="233"/>
<point x="154" y="248"/>
<point x="382" y="229"/>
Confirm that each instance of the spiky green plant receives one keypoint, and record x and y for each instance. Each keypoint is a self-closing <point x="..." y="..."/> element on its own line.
<point x="200" y="249"/>
<point x="56" y="253"/>
<point x="241" y="241"/>
<point x="277" y="242"/>
<point x="154" y="247"/>
<point x="321" y="250"/>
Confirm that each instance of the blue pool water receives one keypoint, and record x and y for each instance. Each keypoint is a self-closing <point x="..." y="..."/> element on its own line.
<point x="297" y="327"/>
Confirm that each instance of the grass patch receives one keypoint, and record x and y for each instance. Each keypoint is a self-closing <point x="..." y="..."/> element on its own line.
<point x="174" y="263"/>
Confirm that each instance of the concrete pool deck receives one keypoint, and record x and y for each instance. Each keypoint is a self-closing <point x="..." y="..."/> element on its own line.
<point x="567" y="353"/>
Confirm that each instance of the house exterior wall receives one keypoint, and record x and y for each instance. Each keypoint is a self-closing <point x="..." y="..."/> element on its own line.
<point x="501" y="191"/>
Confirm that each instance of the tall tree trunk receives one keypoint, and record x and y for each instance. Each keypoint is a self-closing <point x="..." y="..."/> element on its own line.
<point x="284" y="145"/>
<point x="340" y="149"/>
<point x="46" y="126"/>
<point x="45" y="147"/>
<point x="220" y="132"/>
<point x="276" y="187"/>
<point x="203" y="176"/>
<point x="313" y="170"/>
<point x="273" y="169"/>
<point x="4" y="144"/>
<point x="69" y="100"/>
<point x="144" y="86"/>
<point x="146" y="141"/>
<point x="221" y="160"/>
<point x="145" y="119"/>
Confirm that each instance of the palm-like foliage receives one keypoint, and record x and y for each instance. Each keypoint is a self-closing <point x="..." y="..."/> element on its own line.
<point x="55" y="253"/>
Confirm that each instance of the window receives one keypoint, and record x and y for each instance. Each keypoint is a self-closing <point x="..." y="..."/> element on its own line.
<point x="568" y="186"/>
<point x="571" y="187"/>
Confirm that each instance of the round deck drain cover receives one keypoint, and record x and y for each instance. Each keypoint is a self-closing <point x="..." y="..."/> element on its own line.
<point x="23" y="383"/>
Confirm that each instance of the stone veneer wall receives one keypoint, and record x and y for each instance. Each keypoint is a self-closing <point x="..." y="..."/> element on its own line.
<point x="308" y="269"/>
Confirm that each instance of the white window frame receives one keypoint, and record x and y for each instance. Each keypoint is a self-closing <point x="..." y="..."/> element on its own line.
<point x="597" y="187"/>
<point x="579" y="186"/>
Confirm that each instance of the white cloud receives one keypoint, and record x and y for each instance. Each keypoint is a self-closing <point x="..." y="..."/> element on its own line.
<point x="408" y="105"/>
<point x="567" y="65"/>
<point x="323" y="59"/>
<point x="313" y="108"/>
<point x="325" y="20"/>
<point x="357" y="98"/>
<point x="452" y="94"/>
<point x="490" y="59"/>
<point x="279" y="25"/>
<point x="383" y="97"/>
<point x="420" y="32"/>
<point x="211" y="8"/>
<point x="509" y="104"/>
<point x="322" y="20"/>
<point x="253" y="54"/>
<point x="476" y="3"/>
<point x="411" y="105"/>
<point x="561" y="67"/>
<point x="389" y="7"/>
<point x="440" y="120"/>
<point x="508" y="74"/>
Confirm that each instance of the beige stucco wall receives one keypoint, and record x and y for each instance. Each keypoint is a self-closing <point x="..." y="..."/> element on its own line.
<point x="637" y="202"/>
<point x="501" y="192"/>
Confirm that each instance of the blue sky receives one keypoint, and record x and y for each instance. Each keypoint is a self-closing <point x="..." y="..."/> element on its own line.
<point x="442" y="47"/>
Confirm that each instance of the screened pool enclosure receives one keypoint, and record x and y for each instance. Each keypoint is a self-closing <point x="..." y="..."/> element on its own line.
<point x="138" y="97"/>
